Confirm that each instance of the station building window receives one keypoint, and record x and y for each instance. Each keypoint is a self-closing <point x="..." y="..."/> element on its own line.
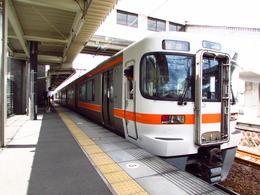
<point x="156" y="25"/>
<point x="126" y="18"/>
<point x="174" y="26"/>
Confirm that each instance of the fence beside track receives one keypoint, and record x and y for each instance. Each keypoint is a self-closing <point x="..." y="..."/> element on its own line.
<point x="248" y="127"/>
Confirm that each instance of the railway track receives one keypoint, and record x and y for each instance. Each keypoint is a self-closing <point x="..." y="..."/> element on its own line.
<point x="248" y="158"/>
<point x="223" y="188"/>
<point x="242" y="175"/>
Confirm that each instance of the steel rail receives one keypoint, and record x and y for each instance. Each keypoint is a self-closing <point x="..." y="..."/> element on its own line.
<point x="241" y="158"/>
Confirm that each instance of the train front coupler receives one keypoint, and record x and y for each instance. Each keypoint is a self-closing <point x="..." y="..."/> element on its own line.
<point x="209" y="164"/>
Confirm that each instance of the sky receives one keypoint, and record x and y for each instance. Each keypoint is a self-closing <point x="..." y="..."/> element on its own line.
<point x="92" y="61"/>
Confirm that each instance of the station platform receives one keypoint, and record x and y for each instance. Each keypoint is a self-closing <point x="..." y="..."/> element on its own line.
<point x="64" y="153"/>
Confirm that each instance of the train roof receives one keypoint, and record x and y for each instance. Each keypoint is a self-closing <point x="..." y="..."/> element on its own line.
<point x="195" y="39"/>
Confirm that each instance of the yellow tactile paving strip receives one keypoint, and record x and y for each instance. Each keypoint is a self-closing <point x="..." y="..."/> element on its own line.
<point x="121" y="182"/>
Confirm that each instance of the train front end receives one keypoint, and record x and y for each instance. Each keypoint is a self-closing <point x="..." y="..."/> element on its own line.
<point x="184" y="108"/>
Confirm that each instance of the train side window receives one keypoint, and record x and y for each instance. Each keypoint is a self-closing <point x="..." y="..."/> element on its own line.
<point x="82" y="91"/>
<point x="90" y="90"/>
<point x="71" y="93"/>
<point x="86" y="91"/>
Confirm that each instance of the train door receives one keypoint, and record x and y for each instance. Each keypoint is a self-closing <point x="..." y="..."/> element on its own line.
<point x="108" y="99"/>
<point x="130" y="98"/>
<point x="212" y="97"/>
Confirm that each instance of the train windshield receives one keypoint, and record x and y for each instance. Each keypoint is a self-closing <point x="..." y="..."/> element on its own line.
<point x="167" y="76"/>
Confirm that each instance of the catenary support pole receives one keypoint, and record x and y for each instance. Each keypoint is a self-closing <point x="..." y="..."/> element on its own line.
<point x="33" y="94"/>
<point x="3" y="71"/>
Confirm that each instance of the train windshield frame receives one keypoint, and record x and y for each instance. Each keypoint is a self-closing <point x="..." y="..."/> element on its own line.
<point x="167" y="76"/>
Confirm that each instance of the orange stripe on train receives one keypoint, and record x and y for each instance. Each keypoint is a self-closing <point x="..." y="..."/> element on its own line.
<point x="90" y="106"/>
<point x="120" y="59"/>
<point x="154" y="119"/>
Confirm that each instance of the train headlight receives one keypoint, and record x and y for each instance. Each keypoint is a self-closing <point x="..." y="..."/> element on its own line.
<point x="173" y="119"/>
<point x="233" y="116"/>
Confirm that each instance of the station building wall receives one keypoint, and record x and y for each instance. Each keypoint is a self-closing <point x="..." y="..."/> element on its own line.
<point x="18" y="73"/>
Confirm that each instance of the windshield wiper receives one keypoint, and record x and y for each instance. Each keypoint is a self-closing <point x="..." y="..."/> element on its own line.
<point x="181" y="97"/>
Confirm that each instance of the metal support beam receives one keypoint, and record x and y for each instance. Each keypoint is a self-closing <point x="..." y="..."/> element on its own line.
<point x="17" y="27"/>
<point x="65" y="5"/>
<point x="3" y="71"/>
<point x="76" y="28"/>
<point x="77" y="25"/>
<point x="33" y="94"/>
<point x="40" y="39"/>
<point x="41" y="58"/>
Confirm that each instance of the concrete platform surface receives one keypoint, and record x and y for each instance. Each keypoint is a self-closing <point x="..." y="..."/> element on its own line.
<point x="64" y="153"/>
<point x="42" y="158"/>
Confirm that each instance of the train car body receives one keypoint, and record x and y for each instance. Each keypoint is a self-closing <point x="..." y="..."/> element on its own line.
<point x="180" y="105"/>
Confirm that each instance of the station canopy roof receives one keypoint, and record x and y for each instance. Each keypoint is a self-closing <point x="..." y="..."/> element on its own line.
<point x="62" y="28"/>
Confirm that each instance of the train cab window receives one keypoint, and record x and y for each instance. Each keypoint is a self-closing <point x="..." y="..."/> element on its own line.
<point x="167" y="76"/>
<point x="211" y="79"/>
<point x="129" y="74"/>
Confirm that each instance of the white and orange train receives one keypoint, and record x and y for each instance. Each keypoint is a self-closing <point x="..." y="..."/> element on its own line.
<point x="182" y="106"/>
